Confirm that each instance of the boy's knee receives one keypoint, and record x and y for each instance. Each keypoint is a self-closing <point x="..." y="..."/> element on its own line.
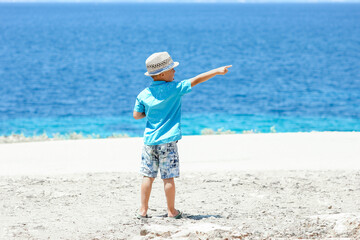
<point x="166" y="180"/>
<point x="151" y="179"/>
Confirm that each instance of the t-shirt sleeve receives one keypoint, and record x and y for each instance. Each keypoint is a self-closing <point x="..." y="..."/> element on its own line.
<point x="184" y="86"/>
<point x="139" y="107"/>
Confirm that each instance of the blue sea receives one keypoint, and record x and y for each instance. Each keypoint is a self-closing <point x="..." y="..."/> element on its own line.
<point x="78" y="67"/>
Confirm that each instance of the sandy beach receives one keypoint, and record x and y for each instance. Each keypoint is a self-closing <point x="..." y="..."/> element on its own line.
<point x="247" y="186"/>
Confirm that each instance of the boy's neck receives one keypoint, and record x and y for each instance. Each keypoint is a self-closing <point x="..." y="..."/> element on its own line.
<point x="164" y="80"/>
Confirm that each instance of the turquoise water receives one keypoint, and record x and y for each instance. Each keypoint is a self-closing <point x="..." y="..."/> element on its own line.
<point x="191" y="125"/>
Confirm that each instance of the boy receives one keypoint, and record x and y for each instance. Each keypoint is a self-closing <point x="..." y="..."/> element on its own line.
<point x="161" y="104"/>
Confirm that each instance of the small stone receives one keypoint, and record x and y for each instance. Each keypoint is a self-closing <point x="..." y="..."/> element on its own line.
<point x="143" y="232"/>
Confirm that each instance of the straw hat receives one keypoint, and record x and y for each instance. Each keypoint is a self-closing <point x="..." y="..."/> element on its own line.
<point x="158" y="63"/>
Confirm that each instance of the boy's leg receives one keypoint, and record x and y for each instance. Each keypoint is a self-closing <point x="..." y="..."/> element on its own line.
<point x="146" y="186"/>
<point x="169" y="168"/>
<point x="149" y="169"/>
<point x="169" y="187"/>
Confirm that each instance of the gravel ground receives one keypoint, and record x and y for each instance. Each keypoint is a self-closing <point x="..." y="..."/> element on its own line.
<point x="224" y="205"/>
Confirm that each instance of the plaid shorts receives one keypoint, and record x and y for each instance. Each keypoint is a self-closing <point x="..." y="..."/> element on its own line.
<point x="164" y="156"/>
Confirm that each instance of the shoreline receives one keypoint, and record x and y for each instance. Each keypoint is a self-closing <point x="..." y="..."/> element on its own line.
<point x="44" y="137"/>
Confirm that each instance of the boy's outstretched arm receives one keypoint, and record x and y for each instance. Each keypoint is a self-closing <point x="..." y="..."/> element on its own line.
<point x="207" y="75"/>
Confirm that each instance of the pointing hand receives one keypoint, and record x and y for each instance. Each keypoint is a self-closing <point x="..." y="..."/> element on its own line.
<point x="223" y="70"/>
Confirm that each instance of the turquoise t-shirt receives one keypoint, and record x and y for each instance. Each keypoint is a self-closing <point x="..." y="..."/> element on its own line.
<point x="161" y="103"/>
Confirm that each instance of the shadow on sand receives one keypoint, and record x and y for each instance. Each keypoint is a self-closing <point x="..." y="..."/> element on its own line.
<point x="193" y="217"/>
<point x="199" y="217"/>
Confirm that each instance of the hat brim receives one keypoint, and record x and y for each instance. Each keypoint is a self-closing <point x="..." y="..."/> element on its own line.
<point x="166" y="69"/>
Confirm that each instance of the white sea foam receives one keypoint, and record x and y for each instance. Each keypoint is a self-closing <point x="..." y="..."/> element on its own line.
<point x="15" y="138"/>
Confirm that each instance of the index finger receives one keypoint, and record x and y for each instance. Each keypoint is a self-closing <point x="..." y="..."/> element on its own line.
<point x="229" y="66"/>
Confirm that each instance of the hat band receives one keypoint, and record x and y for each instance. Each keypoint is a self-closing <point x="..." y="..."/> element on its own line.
<point x="163" y="69"/>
